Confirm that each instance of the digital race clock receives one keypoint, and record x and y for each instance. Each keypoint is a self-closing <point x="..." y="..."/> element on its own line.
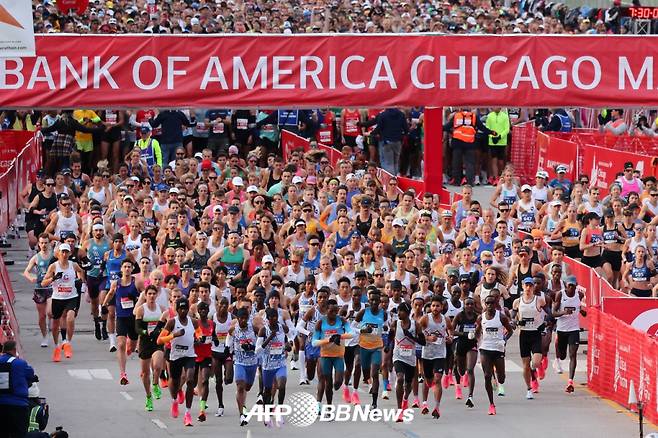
<point x="641" y="12"/>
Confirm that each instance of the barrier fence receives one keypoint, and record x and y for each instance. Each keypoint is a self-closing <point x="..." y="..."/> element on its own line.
<point x="20" y="171"/>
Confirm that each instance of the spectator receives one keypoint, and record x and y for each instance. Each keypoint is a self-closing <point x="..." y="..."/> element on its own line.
<point x="462" y="126"/>
<point x="559" y="121"/>
<point x="172" y="122"/>
<point x="391" y="126"/>
<point x="616" y="126"/>
<point x="497" y="121"/>
<point x="15" y="378"/>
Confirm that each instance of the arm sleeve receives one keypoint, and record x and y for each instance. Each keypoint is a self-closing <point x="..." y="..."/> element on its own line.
<point x="164" y="337"/>
<point x="291" y="329"/>
<point x="301" y="327"/>
<point x="259" y="344"/>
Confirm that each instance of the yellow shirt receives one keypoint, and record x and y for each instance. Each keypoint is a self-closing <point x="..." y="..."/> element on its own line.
<point x="79" y="115"/>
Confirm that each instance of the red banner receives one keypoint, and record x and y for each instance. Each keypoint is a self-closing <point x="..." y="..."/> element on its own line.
<point x="639" y="313"/>
<point x="618" y="356"/>
<point x="290" y="142"/>
<point x="554" y="151"/>
<point x="603" y="164"/>
<point x="11" y="142"/>
<point x="383" y="70"/>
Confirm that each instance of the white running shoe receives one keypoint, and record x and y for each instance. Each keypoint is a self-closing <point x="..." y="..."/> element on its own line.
<point x="384" y="395"/>
<point x="220" y="412"/>
<point x="557" y="366"/>
<point x="529" y="395"/>
<point x="293" y="365"/>
<point x="477" y="180"/>
<point x="44" y="342"/>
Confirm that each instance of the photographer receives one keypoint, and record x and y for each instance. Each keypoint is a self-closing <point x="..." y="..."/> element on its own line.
<point x="642" y="128"/>
<point x="15" y="378"/>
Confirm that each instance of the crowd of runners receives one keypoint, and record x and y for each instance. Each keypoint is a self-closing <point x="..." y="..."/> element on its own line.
<point x="226" y="267"/>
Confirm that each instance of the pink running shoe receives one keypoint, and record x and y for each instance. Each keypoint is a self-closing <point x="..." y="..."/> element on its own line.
<point x="465" y="380"/>
<point x="181" y="397"/>
<point x="174" y="409"/>
<point x="445" y="381"/>
<point x="492" y="410"/>
<point x="346" y="394"/>
<point x="458" y="392"/>
<point x="355" y="398"/>
<point x="187" y="419"/>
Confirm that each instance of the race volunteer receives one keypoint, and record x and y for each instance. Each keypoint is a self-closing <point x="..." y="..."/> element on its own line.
<point x="463" y="125"/>
<point x="149" y="148"/>
<point x="16" y="376"/>
<point x="497" y="121"/>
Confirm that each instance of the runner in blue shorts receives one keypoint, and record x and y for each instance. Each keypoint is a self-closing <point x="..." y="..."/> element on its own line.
<point x="370" y="340"/>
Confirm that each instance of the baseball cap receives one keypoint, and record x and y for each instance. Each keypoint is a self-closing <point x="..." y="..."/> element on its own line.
<point x="145" y="128"/>
<point x="572" y="280"/>
<point x="174" y="190"/>
<point x="528" y="280"/>
<point x="128" y="197"/>
<point x="561" y="168"/>
<point x="297" y="180"/>
<point x="525" y="187"/>
<point x="366" y="202"/>
<point x="237" y="181"/>
<point x="233" y="150"/>
<point x="117" y="236"/>
<point x="452" y="272"/>
<point x="542" y="174"/>
<point x="350" y="176"/>
<point x="360" y="274"/>
<point x="268" y="259"/>
<point x="233" y="209"/>
<point x="252" y="189"/>
<point x="311" y="179"/>
<point x="446" y="213"/>
<point x="206" y="164"/>
<point x="398" y="222"/>
<point x="537" y="233"/>
<point x="426" y="213"/>
<point x="628" y="165"/>
<point x="66" y="171"/>
<point x="199" y="155"/>
<point x="447" y="248"/>
<point x="65" y="247"/>
<point x="162" y="187"/>
<point x="186" y="266"/>
<point x="465" y="277"/>
<point x="396" y="284"/>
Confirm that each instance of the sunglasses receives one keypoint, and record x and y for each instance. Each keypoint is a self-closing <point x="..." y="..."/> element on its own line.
<point x="66" y="204"/>
<point x="212" y="177"/>
<point x="306" y="211"/>
<point x="314" y="244"/>
<point x="50" y="184"/>
<point x="259" y="202"/>
<point x="377" y="275"/>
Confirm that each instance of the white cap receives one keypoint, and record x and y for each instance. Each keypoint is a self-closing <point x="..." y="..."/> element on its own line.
<point x="471" y="21"/>
<point x="233" y="150"/>
<point x="350" y="176"/>
<point x="134" y="178"/>
<point x="174" y="190"/>
<point x="237" y="181"/>
<point x="129" y="197"/>
<point x="98" y="227"/>
<point x="398" y="222"/>
<point x="541" y="174"/>
<point x="65" y="247"/>
<point x="198" y="155"/>
<point x="267" y="259"/>
<point x="525" y="187"/>
<point x="252" y="189"/>
<point x="194" y="21"/>
<point x="297" y="179"/>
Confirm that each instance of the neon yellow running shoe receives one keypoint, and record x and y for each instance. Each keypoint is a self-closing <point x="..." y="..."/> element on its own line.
<point x="149" y="404"/>
<point x="157" y="393"/>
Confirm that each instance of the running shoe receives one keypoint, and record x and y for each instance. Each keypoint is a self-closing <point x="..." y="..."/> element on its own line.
<point x="303" y="382"/>
<point x="416" y="403"/>
<point x="220" y="412"/>
<point x="469" y="402"/>
<point x="181" y="397"/>
<point x="529" y="395"/>
<point x="97" y="331"/>
<point x="492" y="410"/>
<point x="465" y="380"/>
<point x="557" y="366"/>
<point x="68" y="350"/>
<point x="155" y="389"/>
<point x="436" y="414"/>
<point x="421" y="379"/>
<point x="384" y="395"/>
<point x="149" y="404"/>
<point x="293" y="365"/>
<point x="104" y="334"/>
<point x="445" y="381"/>
<point x="569" y="389"/>
<point x="405" y="404"/>
<point x="57" y="353"/>
<point x="202" y="416"/>
<point x="400" y="419"/>
<point x="123" y="381"/>
<point x="501" y="390"/>
<point x="187" y="419"/>
<point x="44" y="342"/>
<point x="355" y="398"/>
<point x="346" y="394"/>
<point x="164" y="383"/>
<point x="243" y="420"/>
<point x="534" y="385"/>
<point x="259" y="399"/>
<point x="174" y="409"/>
<point x="113" y="348"/>
<point x="426" y="409"/>
<point x="477" y="180"/>
<point x="541" y="372"/>
<point x="458" y="392"/>
<point x="452" y="379"/>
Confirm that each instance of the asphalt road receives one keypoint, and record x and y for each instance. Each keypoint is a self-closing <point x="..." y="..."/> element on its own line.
<point x="85" y="396"/>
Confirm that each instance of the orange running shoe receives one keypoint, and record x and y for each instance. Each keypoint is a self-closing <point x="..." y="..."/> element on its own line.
<point x="57" y="354"/>
<point x="68" y="350"/>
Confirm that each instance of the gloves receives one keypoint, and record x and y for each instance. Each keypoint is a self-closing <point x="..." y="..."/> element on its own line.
<point x="85" y="264"/>
<point x="202" y="339"/>
<point x="215" y="342"/>
<point x="248" y="347"/>
<point x="227" y="350"/>
<point x="407" y="333"/>
<point x="367" y="329"/>
<point x="58" y="276"/>
<point x="335" y="339"/>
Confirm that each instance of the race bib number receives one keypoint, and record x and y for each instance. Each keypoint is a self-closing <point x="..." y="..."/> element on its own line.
<point x="181" y="348"/>
<point x="218" y="127"/>
<point x="242" y="123"/>
<point x="406" y="351"/>
<point x="529" y="323"/>
<point x="221" y="336"/>
<point x="491" y="330"/>
<point x="201" y="128"/>
<point x="276" y="349"/>
<point x="150" y="326"/>
<point x="469" y="329"/>
<point x="127" y="303"/>
<point x="110" y="117"/>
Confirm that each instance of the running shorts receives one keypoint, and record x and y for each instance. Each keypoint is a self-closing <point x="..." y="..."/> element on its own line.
<point x="564" y="339"/>
<point x="270" y="375"/>
<point x="147" y="347"/>
<point x="529" y="342"/>
<point x="370" y="357"/>
<point x="431" y="367"/>
<point x="402" y="368"/>
<point x="614" y="258"/>
<point x="328" y="364"/>
<point x="245" y="373"/>
<point x="312" y="352"/>
<point x="94" y="286"/>
<point x="492" y="354"/>
<point x="41" y="294"/>
<point x="592" y="262"/>
<point x="126" y="327"/>
<point x="59" y="307"/>
<point x="176" y="366"/>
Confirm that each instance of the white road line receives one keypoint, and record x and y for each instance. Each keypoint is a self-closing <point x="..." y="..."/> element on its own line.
<point x="159" y="423"/>
<point x="101" y="374"/>
<point x="80" y="374"/>
<point x="126" y="395"/>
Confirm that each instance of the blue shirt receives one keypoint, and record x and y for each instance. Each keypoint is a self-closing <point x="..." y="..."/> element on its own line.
<point x="21" y="378"/>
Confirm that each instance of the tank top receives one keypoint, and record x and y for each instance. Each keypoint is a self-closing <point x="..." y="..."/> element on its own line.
<point x="274" y="354"/>
<point x="610" y="235"/>
<point x="449" y="235"/>
<point x="95" y="253"/>
<point x="271" y="180"/>
<point x="172" y="242"/>
<point x="551" y="225"/>
<point x="221" y="331"/>
<point x="640" y="273"/>
<point x="342" y="242"/>
<point x="509" y="195"/>
<point x="405" y="348"/>
<point x="240" y="338"/>
<point x="363" y="226"/>
<point x="569" y="323"/>
<point x="212" y="247"/>
<point x="571" y="234"/>
<point x="526" y="213"/>
<point x="66" y="225"/>
<point x="436" y="349"/>
<point x="486" y="291"/>
<point x="312" y="265"/>
<point x="529" y="314"/>
<point x="133" y="244"/>
<point x="294" y="277"/>
<point x="99" y="196"/>
<point x="590" y="208"/>
<point x="232" y="261"/>
<point x="199" y="261"/>
<point x="540" y="194"/>
<point x="492" y="333"/>
<point x="483" y="246"/>
<point x="113" y="265"/>
<point x="151" y="317"/>
<point x="203" y="349"/>
<point x="371" y="341"/>
<point x="453" y="310"/>
<point x="125" y="299"/>
<point x="64" y="288"/>
<point x="351" y="118"/>
<point x="467" y="326"/>
<point x="182" y="346"/>
<point x="351" y="319"/>
<point x="41" y="266"/>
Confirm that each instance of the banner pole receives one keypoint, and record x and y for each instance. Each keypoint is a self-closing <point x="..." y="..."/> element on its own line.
<point x="433" y="151"/>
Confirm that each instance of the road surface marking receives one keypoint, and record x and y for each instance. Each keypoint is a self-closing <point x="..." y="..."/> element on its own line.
<point x="101" y="374"/>
<point x="159" y="423"/>
<point x="126" y="395"/>
<point x="80" y="374"/>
